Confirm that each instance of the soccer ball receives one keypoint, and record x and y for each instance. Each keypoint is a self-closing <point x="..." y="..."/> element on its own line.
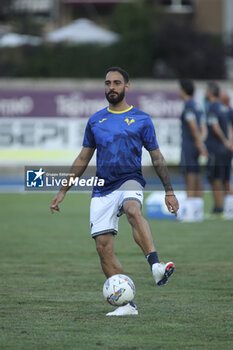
<point x="119" y="290"/>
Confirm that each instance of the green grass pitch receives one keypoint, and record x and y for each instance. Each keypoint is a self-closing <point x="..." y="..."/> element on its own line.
<point x="51" y="282"/>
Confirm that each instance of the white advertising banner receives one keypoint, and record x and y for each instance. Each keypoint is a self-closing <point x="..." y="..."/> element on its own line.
<point x="47" y="126"/>
<point x="59" y="140"/>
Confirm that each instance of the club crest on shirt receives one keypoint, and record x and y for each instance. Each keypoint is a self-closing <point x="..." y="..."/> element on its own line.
<point x="129" y="120"/>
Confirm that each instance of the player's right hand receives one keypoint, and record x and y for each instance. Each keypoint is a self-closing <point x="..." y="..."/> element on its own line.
<point x="204" y="152"/>
<point x="228" y="145"/>
<point x="56" y="200"/>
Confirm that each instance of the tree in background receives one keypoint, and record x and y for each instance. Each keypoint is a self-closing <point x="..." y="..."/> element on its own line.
<point x="5" y="7"/>
<point x="26" y="24"/>
<point x="136" y="23"/>
<point x="179" y="51"/>
<point x="151" y="46"/>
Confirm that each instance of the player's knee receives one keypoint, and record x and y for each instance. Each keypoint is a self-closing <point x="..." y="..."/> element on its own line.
<point x="133" y="212"/>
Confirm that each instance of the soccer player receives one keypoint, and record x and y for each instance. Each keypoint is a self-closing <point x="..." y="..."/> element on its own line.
<point x="228" y="205"/>
<point x="118" y="133"/>
<point x="218" y="145"/>
<point x="193" y="130"/>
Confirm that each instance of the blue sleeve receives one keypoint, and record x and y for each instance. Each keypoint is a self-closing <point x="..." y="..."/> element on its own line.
<point x="231" y="116"/>
<point x="148" y="136"/>
<point x="212" y="115"/>
<point x="89" y="140"/>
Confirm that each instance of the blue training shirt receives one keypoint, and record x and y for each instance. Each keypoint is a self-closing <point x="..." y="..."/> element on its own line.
<point x="191" y="111"/>
<point x="230" y="114"/>
<point x="217" y="113"/>
<point x="118" y="138"/>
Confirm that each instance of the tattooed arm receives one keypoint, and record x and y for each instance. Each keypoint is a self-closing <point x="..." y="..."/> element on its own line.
<point x="161" y="169"/>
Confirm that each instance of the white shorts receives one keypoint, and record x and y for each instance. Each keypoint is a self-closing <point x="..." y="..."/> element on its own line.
<point x="106" y="210"/>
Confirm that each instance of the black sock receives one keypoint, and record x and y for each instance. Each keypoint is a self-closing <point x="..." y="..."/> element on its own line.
<point x="217" y="210"/>
<point x="152" y="258"/>
<point x="132" y="304"/>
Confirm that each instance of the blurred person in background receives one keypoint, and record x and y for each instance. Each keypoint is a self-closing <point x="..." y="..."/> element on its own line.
<point x="218" y="144"/>
<point x="228" y="205"/>
<point x="192" y="147"/>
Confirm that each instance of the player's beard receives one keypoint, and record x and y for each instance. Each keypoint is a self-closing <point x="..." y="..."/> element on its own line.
<point x="117" y="98"/>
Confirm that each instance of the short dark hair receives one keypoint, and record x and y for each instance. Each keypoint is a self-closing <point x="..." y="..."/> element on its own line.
<point x="188" y="86"/>
<point x="214" y="88"/>
<point x="121" y="71"/>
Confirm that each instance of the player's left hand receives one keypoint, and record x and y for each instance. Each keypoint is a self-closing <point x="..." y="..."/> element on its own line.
<point x="172" y="203"/>
<point x="56" y="200"/>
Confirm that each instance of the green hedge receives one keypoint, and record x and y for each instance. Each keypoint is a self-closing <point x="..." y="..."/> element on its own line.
<point x="81" y="61"/>
<point x="203" y="60"/>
